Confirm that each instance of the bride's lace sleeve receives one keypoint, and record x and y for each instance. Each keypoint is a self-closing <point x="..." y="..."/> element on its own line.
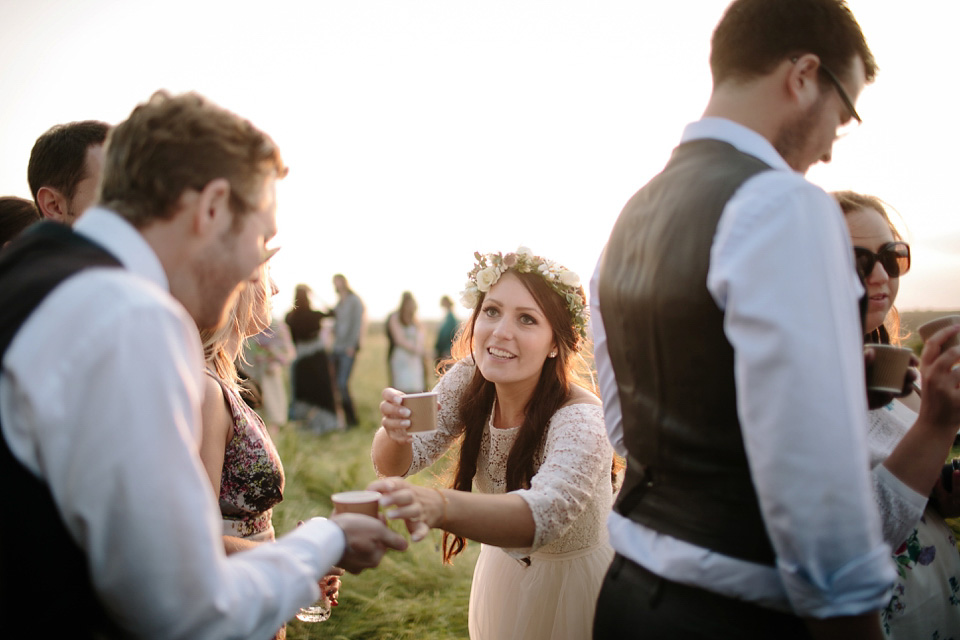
<point x="430" y="445"/>
<point x="576" y="460"/>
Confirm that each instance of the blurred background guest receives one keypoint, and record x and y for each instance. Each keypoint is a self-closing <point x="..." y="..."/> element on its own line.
<point x="266" y="357"/>
<point x="347" y="332"/>
<point x="64" y="169"/>
<point x="311" y="374"/>
<point x="407" y="359"/>
<point x="16" y="214"/>
<point x="445" y="333"/>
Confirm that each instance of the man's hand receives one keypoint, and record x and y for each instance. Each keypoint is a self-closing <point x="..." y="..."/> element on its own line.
<point x="367" y="540"/>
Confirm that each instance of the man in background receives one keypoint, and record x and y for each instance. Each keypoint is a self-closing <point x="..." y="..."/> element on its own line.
<point x="101" y="387"/>
<point x="729" y="354"/>
<point x="347" y="333"/>
<point x="64" y="169"/>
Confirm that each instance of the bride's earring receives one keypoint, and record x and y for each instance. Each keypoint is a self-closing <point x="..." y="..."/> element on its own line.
<point x="553" y="354"/>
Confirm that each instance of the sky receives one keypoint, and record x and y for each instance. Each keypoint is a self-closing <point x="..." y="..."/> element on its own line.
<point x="420" y="131"/>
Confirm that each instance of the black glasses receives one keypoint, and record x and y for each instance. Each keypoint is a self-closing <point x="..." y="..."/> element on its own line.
<point x="894" y="257"/>
<point x="847" y="102"/>
<point x="844" y="96"/>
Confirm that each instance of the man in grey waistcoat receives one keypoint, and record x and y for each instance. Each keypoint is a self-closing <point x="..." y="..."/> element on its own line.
<point x="728" y="346"/>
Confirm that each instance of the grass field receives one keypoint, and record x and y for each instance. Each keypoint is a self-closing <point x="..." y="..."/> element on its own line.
<point x="411" y="594"/>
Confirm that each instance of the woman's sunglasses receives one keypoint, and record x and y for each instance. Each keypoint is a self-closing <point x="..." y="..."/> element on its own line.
<point x="894" y="257"/>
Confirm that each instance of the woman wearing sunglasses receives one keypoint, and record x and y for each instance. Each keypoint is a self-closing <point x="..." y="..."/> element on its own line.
<point x="909" y="440"/>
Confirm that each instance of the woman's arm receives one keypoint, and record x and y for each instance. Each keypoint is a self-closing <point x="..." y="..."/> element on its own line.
<point x="217" y="429"/>
<point x="920" y="455"/>
<point x="502" y="520"/>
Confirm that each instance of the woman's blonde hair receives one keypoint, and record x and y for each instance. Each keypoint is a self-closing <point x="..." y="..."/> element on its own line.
<point x="223" y="345"/>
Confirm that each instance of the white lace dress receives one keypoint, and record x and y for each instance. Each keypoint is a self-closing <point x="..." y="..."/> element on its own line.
<point x="926" y="595"/>
<point x="570" y="496"/>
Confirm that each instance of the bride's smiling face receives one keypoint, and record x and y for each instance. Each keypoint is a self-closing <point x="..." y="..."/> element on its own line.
<point x="512" y="337"/>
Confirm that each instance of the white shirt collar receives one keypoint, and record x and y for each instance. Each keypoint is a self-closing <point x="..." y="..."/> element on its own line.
<point x="122" y="239"/>
<point x="744" y="139"/>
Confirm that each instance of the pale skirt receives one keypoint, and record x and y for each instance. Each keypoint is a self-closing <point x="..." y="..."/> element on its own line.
<point x="552" y="599"/>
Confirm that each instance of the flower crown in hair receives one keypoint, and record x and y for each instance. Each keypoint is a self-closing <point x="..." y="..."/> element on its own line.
<point x="566" y="283"/>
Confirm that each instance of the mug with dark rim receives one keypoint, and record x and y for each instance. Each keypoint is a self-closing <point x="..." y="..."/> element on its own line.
<point x="894" y="257"/>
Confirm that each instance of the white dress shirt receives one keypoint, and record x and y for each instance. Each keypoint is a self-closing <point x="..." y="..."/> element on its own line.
<point x="100" y="396"/>
<point x="781" y="269"/>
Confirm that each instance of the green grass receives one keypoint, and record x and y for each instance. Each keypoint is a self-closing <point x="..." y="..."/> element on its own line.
<point x="411" y="594"/>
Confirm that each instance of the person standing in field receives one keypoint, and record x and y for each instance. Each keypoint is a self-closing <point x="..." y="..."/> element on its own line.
<point x="445" y="333"/>
<point x="533" y="478"/>
<point x="347" y="334"/>
<point x="729" y="351"/>
<point x="408" y="355"/>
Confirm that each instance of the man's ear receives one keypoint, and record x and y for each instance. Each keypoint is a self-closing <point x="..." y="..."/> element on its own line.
<point x="803" y="80"/>
<point x="52" y="203"/>
<point x="212" y="213"/>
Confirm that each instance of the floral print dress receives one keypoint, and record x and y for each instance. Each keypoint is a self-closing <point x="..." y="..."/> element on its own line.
<point x="926" y="595"/>
<point x="251" y="483"/>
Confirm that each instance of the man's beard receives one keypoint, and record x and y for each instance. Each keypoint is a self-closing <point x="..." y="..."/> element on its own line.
<point x="792" y="138"/>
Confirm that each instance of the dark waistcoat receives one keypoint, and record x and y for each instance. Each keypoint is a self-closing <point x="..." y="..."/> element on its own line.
<point x="45" y="582"/>
<point x="687" y="473"/>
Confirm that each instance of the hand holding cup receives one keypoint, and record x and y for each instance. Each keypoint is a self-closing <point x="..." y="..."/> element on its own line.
<point x="940" y="401"/>
<point x="403" y="414"/>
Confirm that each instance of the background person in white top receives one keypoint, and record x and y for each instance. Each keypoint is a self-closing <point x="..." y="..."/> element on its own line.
<point x="101" y="388"/>
<point x="729" y="355"/>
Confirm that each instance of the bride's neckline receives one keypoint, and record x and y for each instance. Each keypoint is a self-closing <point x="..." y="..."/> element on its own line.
<point x="493" y="412"/>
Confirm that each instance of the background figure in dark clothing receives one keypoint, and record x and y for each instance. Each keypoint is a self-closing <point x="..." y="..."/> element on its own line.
<point x="446" y="333"/>
<point x="310" y="375"/>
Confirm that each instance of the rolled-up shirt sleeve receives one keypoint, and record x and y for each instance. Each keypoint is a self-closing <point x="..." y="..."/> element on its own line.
<point x="781" y="269"/>
<point x="113" y="430"/>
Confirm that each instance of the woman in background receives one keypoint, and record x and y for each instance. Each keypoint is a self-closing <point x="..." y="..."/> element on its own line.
<point x="408" y="354"/>
<point x="311" y="373"/>
<point x="908" y="441"/>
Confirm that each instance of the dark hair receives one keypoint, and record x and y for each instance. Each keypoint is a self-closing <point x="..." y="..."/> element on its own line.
<point x="550" y="394"/>
<point x="58" y="158"/>
<point x="850" y="201"/>
<point x="172" y="143"/>
<point x="16" y="214"/>
<point x="754" y="36"/>
<point x="301" y="298"/>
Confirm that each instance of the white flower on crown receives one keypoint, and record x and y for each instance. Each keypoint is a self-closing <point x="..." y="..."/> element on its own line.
<point x="486" y="278"/>
<point x="570" y="278"/>
<point x="524" y="251"/>
<point x="469" y="297"/>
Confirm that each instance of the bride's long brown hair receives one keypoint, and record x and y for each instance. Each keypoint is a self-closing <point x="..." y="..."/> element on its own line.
<point x="551" y="392"/>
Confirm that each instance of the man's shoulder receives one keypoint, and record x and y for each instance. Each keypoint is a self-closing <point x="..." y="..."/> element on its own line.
<point x="96" y="299"/>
